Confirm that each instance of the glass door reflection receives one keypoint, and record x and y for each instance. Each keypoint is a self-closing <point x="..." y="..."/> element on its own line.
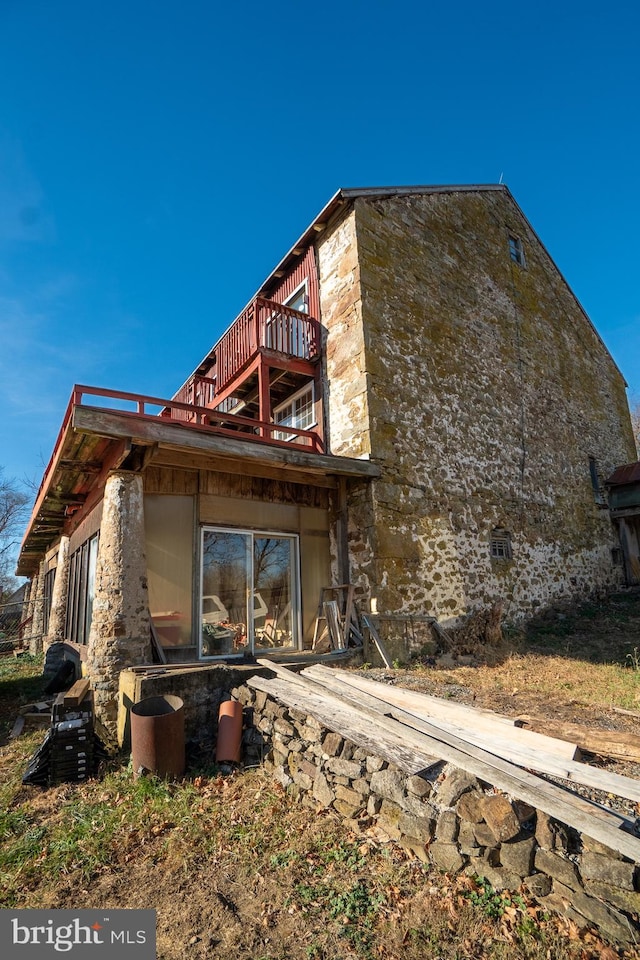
<point x="249" y="592"/>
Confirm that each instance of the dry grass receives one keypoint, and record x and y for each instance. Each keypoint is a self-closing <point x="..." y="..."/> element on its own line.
<point x="580" y="663"/>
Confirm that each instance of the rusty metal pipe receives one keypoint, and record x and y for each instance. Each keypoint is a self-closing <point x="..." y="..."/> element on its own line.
<point x="157" y="736"/>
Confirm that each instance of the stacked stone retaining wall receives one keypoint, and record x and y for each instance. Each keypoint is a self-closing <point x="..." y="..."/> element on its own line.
<point x="447" y="818"/>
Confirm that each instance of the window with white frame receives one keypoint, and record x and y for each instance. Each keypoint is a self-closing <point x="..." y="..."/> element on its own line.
<point x="285" y="332"/>
<point x="298" y="411"/>
<point x="299" y="299"/>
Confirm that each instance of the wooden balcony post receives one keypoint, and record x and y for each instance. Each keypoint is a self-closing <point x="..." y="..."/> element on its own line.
<point x="256" y="327"/>
<point x="264" y="398"/>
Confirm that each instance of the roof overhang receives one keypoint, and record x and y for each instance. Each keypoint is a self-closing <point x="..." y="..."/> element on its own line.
<point x="94" y="441"/>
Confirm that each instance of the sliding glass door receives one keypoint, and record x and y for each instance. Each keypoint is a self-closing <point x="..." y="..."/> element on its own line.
<point x="249" y="599"/>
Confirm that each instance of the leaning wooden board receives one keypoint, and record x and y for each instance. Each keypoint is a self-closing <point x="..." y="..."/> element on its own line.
<point x="597" y="822"/>
<point x="427" y="707"/>
<point x="339" y="717"/>
<point x="519" y="753"/>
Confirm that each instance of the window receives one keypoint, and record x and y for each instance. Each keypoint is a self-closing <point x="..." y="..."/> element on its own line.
<point x="297" y="411"/>
<point x="500" y="545"/>
<point x="299" y="299"/>
<point x="516" y="250"/>
<point x="49" y="579"/>
<point x="82" y="573"/>
<point x="286" y="332"/>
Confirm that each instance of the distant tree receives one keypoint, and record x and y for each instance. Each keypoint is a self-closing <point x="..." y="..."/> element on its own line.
<point x="13" y="510"/>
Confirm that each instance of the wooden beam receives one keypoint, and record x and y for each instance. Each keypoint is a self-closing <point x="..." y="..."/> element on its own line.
<point x="81" y="466"/>
<point x="345" y="721"/>
<point x="375" y="636"/>
<point x="264" y="398"/>
<point x="176" y="458"/>
<point x="108" y="423"/>
<point x="621" y="745"/>
<point x="342" y="532"/>
<point x="76" y="694"/>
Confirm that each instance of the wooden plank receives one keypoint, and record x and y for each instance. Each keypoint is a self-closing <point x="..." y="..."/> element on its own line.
<point x="370" y="707"/>
<point x="76" y="694"/>
<point x="155" y="643"/>
<point x="119" y="424"/>
<point x="595" y="821"/>
<point x="524" y="755"/>
<point x="176" y="457"/>
<point x="338" y="717"/>
<point x="348" y="614"/>
<point x="428" y="707"/>
<point x="168" y="667"/>
<point x="333" y="623"/>
<point x="626" y="713"/>
<point x="17" y="728"/>
<point x="376" y="639"/>
<point x="621" y="745"/>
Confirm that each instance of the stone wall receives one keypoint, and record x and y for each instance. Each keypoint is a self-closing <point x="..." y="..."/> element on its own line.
<point x="483" y="390"/>
<point x="446" y="818"/>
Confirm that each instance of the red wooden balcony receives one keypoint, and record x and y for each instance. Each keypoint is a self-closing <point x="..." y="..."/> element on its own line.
<point x="266" y="331"/>
<point x="264" y="325"/>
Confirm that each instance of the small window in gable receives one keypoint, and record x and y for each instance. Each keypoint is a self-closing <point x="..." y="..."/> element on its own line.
<point x="298" y="411"/>
<point x="516" y="250"/>
<point x="500" y="545"/>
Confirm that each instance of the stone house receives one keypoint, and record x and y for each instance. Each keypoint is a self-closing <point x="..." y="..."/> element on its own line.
<point x="414" y="402"/>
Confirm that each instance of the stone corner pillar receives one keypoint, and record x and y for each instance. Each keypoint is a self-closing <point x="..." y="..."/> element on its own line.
<point x="120" y="634"/>
<point x="37" y="599"/>
<point x="58" y="613"/>
<point x="25" y="617"/>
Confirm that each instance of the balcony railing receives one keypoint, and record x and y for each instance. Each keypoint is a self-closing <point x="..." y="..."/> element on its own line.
<point x="265" y="325"/>
<point x="193" y="415"/>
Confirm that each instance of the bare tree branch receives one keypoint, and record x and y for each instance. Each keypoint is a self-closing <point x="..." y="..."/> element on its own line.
<point x="13" y="513"/>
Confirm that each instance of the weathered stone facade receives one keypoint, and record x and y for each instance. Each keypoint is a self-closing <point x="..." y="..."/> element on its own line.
<point x="448" y="819"/>
<point x="454" y="359"/>
<point x="481" y="389"/>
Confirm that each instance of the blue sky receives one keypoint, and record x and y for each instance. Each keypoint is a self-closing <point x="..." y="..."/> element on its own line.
<point x="158" y="158"/>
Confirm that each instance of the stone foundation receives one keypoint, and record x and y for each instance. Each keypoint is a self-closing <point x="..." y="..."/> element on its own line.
<point x="447" y="818"/>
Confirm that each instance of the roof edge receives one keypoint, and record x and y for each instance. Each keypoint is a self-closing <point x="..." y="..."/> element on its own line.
<point x="339" y="199"/>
